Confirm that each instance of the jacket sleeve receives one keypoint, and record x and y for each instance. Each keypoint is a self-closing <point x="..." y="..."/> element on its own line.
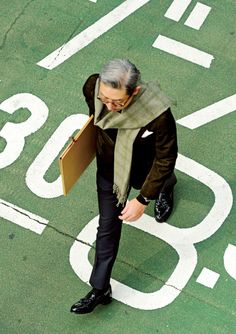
<point x="164" y="128"/>
<point x="88" y="91"/>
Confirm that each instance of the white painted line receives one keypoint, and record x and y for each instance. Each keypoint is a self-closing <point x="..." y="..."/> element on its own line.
<point x="230" y="260"/>
<point x="177" y="9"/>
<point x="183" y="51"/>
<point x="21" y="217"/>
<point x="210" y="113"/>
<point x="198" y="16"/>
<point x="93" y="1"/>
<point x="208" y="278"/>
<point x="88" y="35"/>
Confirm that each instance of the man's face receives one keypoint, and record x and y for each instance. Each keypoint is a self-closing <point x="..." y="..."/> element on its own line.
<point x="114" y="99"/>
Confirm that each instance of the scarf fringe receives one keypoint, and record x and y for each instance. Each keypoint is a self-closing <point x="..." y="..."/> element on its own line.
<point x="121" y="198"/>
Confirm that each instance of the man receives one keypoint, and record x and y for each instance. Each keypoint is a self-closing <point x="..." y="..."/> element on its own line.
<point x="136" y="147"/>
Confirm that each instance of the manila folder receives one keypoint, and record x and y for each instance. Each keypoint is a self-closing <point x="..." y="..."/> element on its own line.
<point x="78" y="155"/>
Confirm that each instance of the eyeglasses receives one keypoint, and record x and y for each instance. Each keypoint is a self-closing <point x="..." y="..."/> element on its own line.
<point x="115" y="103"/>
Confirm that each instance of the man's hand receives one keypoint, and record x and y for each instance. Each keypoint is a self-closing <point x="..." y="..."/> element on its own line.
<point x="132" y="211"/>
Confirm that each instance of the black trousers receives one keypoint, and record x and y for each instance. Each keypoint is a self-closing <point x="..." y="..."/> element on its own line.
<point x="108" y="234"/>
<point x="109" y="231"/>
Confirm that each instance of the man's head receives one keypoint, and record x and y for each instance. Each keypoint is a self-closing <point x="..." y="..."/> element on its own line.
<point x="119" y="81"/>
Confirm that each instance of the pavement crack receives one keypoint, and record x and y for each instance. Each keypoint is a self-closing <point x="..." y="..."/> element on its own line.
<point x="121" y="261"/>
<point x="154" y="277"/>
<point x="13" y="23"/>
<point x="69" y="236"/>
<point x="64" y="44"/>
<point x="46" y="224"/>
<point x="183" y="290"/>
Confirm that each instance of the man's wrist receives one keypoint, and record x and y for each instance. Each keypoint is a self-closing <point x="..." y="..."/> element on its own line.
<point x="143" y="200"/>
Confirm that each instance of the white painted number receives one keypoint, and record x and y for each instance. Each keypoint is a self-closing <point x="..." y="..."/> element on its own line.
<point x="230" y="260"/>
<point x="36" y="172"/>
<point x="15" y="134"/>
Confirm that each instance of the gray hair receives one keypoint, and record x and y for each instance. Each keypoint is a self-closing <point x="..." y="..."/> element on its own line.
<point x="120" y="74"/>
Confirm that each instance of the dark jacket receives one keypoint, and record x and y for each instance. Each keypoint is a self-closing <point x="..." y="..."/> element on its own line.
<point x="154" y="156"/>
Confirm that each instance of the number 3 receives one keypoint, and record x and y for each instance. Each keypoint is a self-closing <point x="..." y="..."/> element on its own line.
<point x="15" y="134"/>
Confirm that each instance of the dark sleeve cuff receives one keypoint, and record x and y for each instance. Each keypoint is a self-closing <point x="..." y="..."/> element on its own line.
<point x="143" y="200"/>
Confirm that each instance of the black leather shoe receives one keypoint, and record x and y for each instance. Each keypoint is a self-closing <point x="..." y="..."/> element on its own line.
<point x="91" y="300"/>
<point x="163" y="207"/>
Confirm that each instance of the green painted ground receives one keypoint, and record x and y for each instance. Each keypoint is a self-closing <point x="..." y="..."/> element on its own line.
<point x="38" y="283"/>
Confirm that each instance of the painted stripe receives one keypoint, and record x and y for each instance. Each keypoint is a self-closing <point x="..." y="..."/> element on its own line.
<point x="210" y="113"/>
<point x="198" y="16"/>
<point x="177" y="9"/>
<point x="93" y="1"/>
<point x="88" y="35"/>
<point x="183" y="51"/>
<point x="21" y="217"/>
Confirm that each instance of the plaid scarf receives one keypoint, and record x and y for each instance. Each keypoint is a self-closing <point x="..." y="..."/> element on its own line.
<point x="147" y="105"/>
